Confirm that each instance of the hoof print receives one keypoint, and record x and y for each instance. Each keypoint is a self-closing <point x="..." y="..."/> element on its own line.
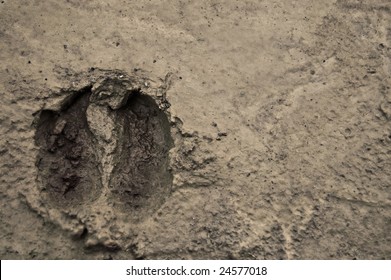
<point x="108" y="144"/>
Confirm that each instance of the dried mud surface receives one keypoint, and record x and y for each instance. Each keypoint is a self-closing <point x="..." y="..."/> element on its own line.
<point x="195" y="129"/>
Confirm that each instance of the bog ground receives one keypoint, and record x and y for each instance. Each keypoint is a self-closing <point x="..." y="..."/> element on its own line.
<point x="195" y="129"/>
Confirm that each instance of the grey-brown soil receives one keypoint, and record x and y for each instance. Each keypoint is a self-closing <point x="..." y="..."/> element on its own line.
<point x="195" y="129"/>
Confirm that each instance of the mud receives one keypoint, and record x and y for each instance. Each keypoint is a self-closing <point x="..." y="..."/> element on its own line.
<point x="195" y="129"/>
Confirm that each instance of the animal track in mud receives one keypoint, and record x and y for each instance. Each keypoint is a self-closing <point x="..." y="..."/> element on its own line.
<point x="140" y="180"/>
<point x="109" y="143"/>
<point x="67" y="163"/>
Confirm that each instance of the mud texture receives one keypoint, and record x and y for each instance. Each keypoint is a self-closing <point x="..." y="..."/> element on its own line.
<point x="195" y="129"/>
